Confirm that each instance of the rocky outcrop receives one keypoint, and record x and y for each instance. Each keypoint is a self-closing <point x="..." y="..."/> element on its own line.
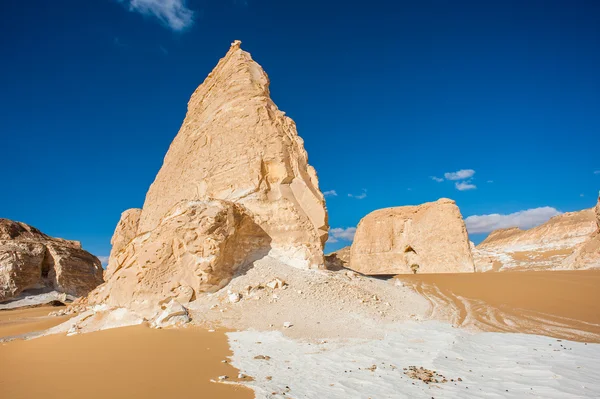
<point x="563" y="242"/>
<point x="587" y="255"/>
<point x="30" y="259"/>
<point x="235" y="145"/>
<point x="125" y="231"/>
<point x="196" y="247"/>
<point x="339" y="259"/>
<point x="428" y="238"/>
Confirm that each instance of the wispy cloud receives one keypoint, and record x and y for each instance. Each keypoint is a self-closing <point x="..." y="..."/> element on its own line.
<point x="597" y="172"/>
<point x="359" y="196"/>
<point x="437" y="179"/>
<point x="174" y="14"/>
<point x="523" y="219"/>
<point x="490" y="181"/>
<point x="330" y="193"/>
<point x="341" y="234"/>
<point x="464" y="185"/>
<point x="103" y="259"/>
<point x="462" y="174"/>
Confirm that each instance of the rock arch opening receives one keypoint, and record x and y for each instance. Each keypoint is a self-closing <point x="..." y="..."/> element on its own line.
<point x="47" y="265"/>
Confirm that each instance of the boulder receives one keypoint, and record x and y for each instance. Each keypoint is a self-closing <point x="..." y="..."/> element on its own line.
<point x="196" y="247"/>
<point x="236" y="145"/>
<point x="427" y="238"/>
<point x="172" y="314"/>
<point x="125" y="231"/>
<point x="30" y="259"/>
<point x="563" y="242"/>
<point x="339" y="259"/>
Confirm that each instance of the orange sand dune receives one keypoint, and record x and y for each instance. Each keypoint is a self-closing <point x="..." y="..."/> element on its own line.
<point x="130" y="362"/>
<point x="21" y="321"/>
<point x="562" y="304"/>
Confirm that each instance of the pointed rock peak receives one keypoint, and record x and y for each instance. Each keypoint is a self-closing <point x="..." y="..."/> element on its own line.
<point x="236" y="145"/>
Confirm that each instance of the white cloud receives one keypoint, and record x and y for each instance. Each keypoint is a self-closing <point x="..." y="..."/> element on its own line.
<point x="522" y="219"/>
<point x="330" y="193"/>
<point x="342" y="234"/>
<point x="460" y="174"/>
<point x="103" y="259"/>
<point x="581" y="195"/>
<point x="437" y="179"/>
<point x="171" y="13"/>
<point x="359" y="196"/>
<point x="490" y="181"/>
<point x="465" y="185"/>
<point x="597" y="172"/>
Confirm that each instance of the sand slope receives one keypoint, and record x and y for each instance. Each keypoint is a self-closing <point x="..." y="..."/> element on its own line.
<point x="561" y="304"/>
<point x="131" y="362"/>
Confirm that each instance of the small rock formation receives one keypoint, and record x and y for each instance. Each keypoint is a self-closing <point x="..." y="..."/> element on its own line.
<point x="30" y="259"/>
<point x="125" y="231"/>
<point x="196" y="247"/>
<point x="427" y="238"/>
<point x="339" y="259"/>
<point x="235" y="145"/>
<point x="563" y="242"/>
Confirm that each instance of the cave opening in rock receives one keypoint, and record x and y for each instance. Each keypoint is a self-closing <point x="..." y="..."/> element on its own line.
<point x="47" y="264"/>
<point x="409" y="249"/>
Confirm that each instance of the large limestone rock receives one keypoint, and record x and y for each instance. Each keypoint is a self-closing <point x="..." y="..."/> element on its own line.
<point x="428" y="238"/>
<point x="125" y="231"/>
<point x="557" y="244"/>
<point x="236" y="145"/>
<point x="196" y="247"/>
<point x="30" y="259"/>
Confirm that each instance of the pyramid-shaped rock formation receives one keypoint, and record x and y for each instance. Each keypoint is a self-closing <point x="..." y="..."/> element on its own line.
<point x="427" y="238"/>
<point x="30" y="259"/>
<point x="235" y="184"/>
<point x="235" y="145"/>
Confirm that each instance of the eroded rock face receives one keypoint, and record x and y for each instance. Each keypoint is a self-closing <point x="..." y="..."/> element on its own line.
<point x="556" y="244"/>
<point x="428" y="238"/>
<point x="125" y="231"/>
<point x="236" y="145"/>
<point x="196" y="247"/>
<point x="31" y="259"/>
<point x="587" y="255"/>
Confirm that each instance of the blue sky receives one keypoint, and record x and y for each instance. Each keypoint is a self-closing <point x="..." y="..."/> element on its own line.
<point x="495" y="104"/>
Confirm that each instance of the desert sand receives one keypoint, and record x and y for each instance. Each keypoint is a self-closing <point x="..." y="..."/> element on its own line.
<point x="21" y="321"/>
<point x="561" y="304"/>
<point x="350" y="336"/>
<point x="517" y="338"/>
<point x="130" y="362"/>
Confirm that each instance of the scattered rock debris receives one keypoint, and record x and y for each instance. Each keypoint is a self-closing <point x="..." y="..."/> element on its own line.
<point x="425" y="375"/>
